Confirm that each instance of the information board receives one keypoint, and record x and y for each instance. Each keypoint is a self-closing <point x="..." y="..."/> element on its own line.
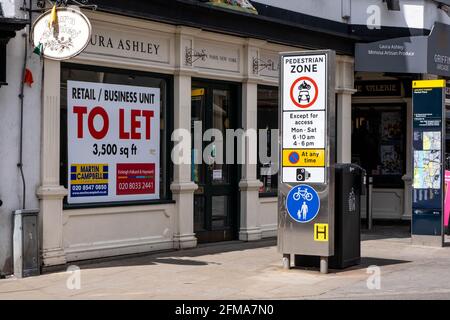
<point x="428" y="154"/>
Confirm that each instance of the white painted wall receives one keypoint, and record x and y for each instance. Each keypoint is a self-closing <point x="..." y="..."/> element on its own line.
<point x="11" y="8"/>
<point x="10" y="179"/>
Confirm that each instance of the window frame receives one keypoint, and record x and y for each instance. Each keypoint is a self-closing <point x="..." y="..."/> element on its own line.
<point x="267" y="194"/>
<point x="388" y="181"/>
<point x="169" y="123"/>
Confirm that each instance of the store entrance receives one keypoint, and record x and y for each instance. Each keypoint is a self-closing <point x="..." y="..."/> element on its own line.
<point x="379" y="146"/>
<point x="214" y="110"/>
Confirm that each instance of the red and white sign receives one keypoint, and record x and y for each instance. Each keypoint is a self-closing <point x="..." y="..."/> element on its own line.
<point x="135" y="178"/>
<point x="304" y="117"/>
<point x="304" y="83"/>
<point x="113" y="142"/>
<point x="304" y="92"/>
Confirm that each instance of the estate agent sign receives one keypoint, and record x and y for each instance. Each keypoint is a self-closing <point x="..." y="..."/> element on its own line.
<point x="113" y="142"/>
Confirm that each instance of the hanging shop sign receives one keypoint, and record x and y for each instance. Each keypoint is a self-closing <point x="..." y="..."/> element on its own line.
<point x="418" y="54"/>
<point x="428" y="165"/>
<point x="61" y="33"/>
<point x="113" y="142"/>
<point x="307" y="116"/>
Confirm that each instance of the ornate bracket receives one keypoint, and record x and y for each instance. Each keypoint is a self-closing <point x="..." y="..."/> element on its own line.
<point x="191" y="56"/>
<point x="259" y="65"/>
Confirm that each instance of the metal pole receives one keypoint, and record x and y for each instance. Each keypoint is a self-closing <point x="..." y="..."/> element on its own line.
<point x="324" y="265"/>
<point x="286" y="261"/>
<point x="369" y="204"/>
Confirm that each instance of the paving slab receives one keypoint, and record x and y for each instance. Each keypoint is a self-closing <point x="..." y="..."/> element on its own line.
<point x="252" y="270"/>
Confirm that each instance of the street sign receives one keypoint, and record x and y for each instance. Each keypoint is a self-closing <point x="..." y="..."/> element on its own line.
<point x="303" y="203"/>
<point x="306" y="182"/>
<point x="428" y="162"/>
<point x="305" y="92"/>
<point x="321" y="232"/>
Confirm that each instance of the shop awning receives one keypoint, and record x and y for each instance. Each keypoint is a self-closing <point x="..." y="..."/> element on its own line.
<point x="418" y="54"/>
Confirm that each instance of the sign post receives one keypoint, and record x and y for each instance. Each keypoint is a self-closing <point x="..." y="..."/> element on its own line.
<point x="429" y="153"/>
<point x="306" y="188"/>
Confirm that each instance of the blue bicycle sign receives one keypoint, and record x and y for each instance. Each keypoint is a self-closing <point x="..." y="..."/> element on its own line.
<point x="303" y="194"/>
<point x="303" y="203"/>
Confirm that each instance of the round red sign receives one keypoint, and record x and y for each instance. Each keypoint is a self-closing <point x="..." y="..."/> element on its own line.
<point x="306" y="92"/>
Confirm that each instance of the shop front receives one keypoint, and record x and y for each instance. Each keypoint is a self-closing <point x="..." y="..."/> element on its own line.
<point x="383" y="119"/>
<point x="380" y="140"/>
<point x="114" y="181"/>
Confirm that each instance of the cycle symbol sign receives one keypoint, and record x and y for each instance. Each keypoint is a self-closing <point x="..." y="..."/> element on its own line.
<point x="303" y="203"/>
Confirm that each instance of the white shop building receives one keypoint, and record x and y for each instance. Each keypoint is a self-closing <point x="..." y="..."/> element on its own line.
<point x="224" y="81"/>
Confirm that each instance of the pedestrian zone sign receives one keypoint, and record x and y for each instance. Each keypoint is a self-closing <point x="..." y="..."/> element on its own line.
<point x="304" y="106"/>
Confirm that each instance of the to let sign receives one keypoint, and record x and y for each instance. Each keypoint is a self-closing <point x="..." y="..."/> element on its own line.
<point x="304" y="118"/>
<point x="113" y="142"/>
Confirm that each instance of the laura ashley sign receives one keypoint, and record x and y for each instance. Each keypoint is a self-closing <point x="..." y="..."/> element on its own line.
<point x="129" y="43"/>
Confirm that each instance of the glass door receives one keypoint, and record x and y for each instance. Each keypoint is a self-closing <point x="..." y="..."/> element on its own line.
<point x="213" y="110"/>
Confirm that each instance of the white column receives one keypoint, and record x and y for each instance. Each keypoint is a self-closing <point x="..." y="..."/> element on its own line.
<point x="51" y="193"/>
<point x="344" y="126"/>
<point x="344" y="91"/>
<point x="249" y="185"/>
<point x="182" y="187"/>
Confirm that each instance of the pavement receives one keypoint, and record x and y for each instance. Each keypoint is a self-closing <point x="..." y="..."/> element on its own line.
<point x="240" y="270"/>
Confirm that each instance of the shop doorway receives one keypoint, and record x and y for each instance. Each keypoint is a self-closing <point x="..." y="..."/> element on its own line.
<point x="379" y="146"/>
<point x="214" y="106"/>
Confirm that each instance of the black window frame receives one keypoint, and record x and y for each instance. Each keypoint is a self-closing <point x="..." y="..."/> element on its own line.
<point x="387" y="181"/>
<point x="169" y="122"/>
<point x="269" y="194"/>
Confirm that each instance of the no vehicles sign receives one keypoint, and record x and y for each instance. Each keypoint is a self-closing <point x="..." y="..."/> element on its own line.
<point x="304" y="105"/>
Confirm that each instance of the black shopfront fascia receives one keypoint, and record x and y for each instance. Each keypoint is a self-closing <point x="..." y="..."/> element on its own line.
<point x="168" y="174"/>
<point x="8" y="28"/>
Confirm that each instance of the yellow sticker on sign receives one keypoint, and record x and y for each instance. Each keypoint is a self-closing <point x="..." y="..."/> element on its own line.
<point x="89" y="174"/>
<point x="303" y="158"/>
<point x="321" y="232"/>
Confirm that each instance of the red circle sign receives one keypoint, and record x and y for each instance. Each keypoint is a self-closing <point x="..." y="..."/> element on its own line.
<point x="297" y="102"/>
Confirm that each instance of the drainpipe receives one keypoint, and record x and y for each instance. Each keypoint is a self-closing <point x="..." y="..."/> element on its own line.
<point x="21" y="97"/>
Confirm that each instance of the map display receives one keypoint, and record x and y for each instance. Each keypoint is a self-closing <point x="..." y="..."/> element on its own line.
<point x="427" y="169"/>
<point x="432" y="140"/>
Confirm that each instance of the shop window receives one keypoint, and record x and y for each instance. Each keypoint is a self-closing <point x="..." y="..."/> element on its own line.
<point x="379" y="143"/>
<point x="146" y="178"/>
<point x="267" y="120"/>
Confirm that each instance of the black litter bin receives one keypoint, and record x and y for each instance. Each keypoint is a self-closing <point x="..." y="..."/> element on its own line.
<point x="350" y="180"/>
<point x="349" y="185"/>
